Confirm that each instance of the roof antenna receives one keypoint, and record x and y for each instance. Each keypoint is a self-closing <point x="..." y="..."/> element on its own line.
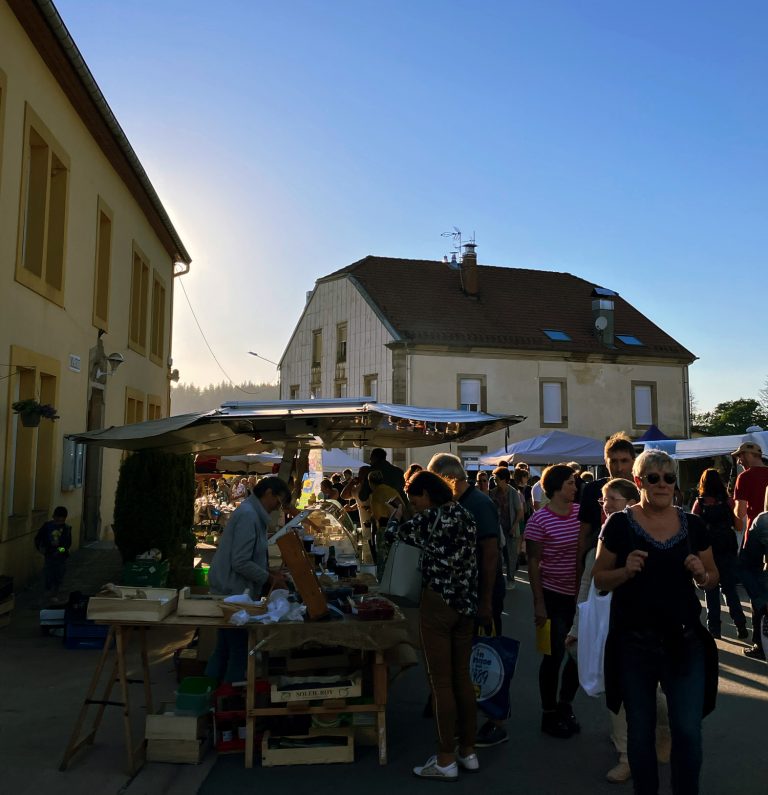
<point x="456" y="237"/>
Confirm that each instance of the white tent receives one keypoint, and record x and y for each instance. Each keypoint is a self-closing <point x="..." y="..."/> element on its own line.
<point x="334" y="460"/>
<point x="549" y="448"/>
<point x="709" y="446"/>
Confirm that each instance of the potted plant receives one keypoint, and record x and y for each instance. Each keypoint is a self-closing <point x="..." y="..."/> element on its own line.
<point x="30" y="411"/>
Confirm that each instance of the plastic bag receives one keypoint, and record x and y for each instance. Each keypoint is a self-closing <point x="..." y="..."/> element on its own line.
<point x="594" y="618"/>
<point x="491" y="666"/>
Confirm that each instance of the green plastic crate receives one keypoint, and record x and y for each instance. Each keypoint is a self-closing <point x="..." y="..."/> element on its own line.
<point x="146" y="573"/>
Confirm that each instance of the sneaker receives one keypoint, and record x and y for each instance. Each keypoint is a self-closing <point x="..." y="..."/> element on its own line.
<point x="754" y="653"/>
<point x="742" y="633"/>
<point x="565" y="713"/>
<point x="620" y="773"/>
<point x="489" y="735"/>
<point x="468" y="762"/>
<point x="430" y="769"/>
<point x="553" y="725"/>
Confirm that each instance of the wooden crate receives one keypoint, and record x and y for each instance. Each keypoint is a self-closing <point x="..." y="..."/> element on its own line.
<point x="315" y="693"/>
<point x="302" y="569"/>
<point x="167" y="725"/>
<point x="127" y="603"/>
<point x="189" y="752"/>
<point x="274" y="757"/>
<point x="194" y="604"/>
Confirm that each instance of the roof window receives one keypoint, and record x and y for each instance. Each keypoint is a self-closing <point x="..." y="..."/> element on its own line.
<point x="628" y="339"/>
<point x="603" y="291"/>
<point x="558" y="336"/>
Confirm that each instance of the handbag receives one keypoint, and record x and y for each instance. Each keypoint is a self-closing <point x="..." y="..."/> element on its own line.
<point x="492" y="665"/>
<point x="594" y="619"/>
<point x="402" y="569"/>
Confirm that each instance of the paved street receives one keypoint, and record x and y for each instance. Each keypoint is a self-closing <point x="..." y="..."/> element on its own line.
<point x="44" y="683"/>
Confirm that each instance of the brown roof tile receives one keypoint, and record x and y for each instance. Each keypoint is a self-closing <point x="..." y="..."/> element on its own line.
<point x="424" y="303"/>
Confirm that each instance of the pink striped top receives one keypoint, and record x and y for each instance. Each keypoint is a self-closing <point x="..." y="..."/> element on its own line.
<point x="559" y="539"/>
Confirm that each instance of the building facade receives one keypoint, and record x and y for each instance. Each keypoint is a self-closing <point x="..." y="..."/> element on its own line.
<point x="88" y="257"/>
<point x="565" y="353"/>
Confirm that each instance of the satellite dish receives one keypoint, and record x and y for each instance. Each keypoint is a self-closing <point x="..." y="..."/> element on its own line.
<point x="601" y="323"/>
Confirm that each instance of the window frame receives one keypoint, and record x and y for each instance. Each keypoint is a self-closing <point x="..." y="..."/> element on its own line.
<point x="482" y="378"/>
<point x="317" y="334"/>
<point x="157" y="327"/>
<point x="294" y="388"/>
<point x="653" y="386"/>
<point x="102" y="322"/>
<point x="563" y="382"/>
<point x="367" y="380"/>
<point x="138" y="397"/>
<point x="341" y="344"/>
<point x="340" y="388"/>
<point x="154" y="407"/>
<point x="139" y="344"/>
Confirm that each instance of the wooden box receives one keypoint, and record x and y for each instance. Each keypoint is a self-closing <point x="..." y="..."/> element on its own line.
<point x="313" y="692"/>
<point x="194" y="604"/>
<point x="127" y="603"/>
<point x="167" y="725"/>
<point x="302" y="569"/>
<point x="190" y="752"/>
<point x="323" y="755"/>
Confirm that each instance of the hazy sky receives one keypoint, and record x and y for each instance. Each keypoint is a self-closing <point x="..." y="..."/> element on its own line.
<point x="626" y="143"/>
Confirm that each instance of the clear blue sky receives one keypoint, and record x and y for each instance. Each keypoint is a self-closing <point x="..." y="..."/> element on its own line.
<point x="626" y="143"/>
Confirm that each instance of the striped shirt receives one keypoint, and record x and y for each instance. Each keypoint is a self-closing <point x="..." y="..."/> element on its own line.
<point x="559" y="539"/>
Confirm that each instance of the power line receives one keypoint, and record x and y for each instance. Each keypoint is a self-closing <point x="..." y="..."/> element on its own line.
<point x="205" y="340"/>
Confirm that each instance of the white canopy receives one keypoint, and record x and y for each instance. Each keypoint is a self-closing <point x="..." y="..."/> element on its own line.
<point x="549" y="448"/>
<point x="710" y="446"/>
<point x="334" y="460"/>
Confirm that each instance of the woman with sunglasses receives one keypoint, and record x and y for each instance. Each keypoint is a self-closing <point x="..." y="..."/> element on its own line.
<point x="653" y="556"/>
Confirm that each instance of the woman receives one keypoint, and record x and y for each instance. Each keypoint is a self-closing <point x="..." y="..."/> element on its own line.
<point x="715" y="508"/>
<point x="482" y="483"/>
<point x="411" y="471"/>
<point x="521" y="476"/>
<point x="447" y="534"/>
<point x="552" y="537"/>
<point x="510" y="508"/>
<point x="653" y="556"/>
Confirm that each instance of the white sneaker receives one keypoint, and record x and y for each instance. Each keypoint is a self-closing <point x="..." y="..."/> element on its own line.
<point x="430" y="769"/>
<point x="620" y="773"/>
<point x="468" y="762"/>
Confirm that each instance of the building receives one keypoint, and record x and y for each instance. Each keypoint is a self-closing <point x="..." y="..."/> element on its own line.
<point x="88" y="256"/>
<point x="566" y="353"/>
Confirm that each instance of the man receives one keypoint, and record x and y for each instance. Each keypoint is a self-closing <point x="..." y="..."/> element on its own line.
<point x="510" y="508"/>
<point x="754" y="575"/>
<point x="53" y="541"/>
<point x="241" y="563"/>
<point x="392" y="476"/>
<point x="749" y="496"/>
<point x="490" y="590"/>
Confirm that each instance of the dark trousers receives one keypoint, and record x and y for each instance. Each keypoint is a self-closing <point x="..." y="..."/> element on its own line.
<point x="53" y="572"/>
<point x="644" y="663"/>
<point x="230" y="657"/>
<point x="727" y="568"/>
<point x="560" y="611"/>
<point x="446" y="640"/>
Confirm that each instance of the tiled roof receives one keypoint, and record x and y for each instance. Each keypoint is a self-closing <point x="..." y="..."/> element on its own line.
<point x="424" y="302"/>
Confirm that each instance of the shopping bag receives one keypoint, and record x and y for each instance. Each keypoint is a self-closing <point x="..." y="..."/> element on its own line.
<point x="402" y="572"/>
<point x="491" y="667"/>
<point x="594" y="618"/>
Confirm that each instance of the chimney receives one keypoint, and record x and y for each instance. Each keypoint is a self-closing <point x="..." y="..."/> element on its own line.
<point x="602" y="317"/>
<point x="469" y="275"/>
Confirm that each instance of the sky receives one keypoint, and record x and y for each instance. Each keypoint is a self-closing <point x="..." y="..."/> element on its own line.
<point x="625" y="143"/>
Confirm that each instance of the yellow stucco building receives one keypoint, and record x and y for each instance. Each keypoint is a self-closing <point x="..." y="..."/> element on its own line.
<point x="88" y="257"/>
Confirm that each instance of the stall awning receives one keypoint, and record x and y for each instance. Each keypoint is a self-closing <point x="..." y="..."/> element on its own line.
<point x="549" y="448"/>
<point x="245" y="427"/>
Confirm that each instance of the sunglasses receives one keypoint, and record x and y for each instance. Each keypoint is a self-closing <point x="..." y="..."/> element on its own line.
<point x="655" y="477"/>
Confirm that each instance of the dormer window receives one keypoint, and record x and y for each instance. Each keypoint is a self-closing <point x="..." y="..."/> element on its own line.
<point x="557" y="336"/>
<point x="628" y="339"/>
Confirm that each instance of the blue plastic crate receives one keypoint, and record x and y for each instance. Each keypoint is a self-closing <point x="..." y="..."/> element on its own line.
<point x="85" y="635"/>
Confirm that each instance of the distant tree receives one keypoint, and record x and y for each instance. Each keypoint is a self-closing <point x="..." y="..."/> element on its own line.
<point x="732" y="417"/>
<point x="763" y="393"/>
<point x="188" y="398"/>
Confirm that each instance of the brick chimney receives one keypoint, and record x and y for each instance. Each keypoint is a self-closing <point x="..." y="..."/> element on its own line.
<point x="470" y="278"/>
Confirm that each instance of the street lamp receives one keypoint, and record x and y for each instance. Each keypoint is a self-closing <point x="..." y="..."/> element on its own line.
<point x="264" y="358"/>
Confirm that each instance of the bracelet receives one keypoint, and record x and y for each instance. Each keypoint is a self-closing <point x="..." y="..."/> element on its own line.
<point x="706" y="580"/>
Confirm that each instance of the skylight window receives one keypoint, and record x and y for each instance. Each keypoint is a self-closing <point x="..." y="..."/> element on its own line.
<point x="603" y="291"/>
<point x="628" y="339"/>
<point x="558" y="336"/>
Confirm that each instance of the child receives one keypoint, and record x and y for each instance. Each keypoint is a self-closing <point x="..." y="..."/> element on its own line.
<point x="53" y="540"/>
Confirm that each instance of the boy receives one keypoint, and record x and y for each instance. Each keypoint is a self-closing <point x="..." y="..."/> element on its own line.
<point x="53" y="540"/>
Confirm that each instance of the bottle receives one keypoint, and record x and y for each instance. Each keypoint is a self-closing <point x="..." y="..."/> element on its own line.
<point x="331" y="564"/>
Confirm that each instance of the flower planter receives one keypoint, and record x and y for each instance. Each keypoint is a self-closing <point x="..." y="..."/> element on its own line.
<point x="30" y="419"/>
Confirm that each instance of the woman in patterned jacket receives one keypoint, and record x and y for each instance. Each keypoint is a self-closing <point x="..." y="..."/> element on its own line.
<point x="446" y="533"/>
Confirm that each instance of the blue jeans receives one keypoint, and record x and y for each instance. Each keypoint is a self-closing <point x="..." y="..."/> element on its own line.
<point x="645" y="662"/>
<point x="728" y="578"/>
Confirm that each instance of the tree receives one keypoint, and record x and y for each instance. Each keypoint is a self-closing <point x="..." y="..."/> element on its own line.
<point x="763" y="393"/>
<point x="732" y="417"/>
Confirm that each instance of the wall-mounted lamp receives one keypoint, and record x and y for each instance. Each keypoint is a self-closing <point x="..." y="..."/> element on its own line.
<point x="173" y="375"/>
<point x="114" y="360"/>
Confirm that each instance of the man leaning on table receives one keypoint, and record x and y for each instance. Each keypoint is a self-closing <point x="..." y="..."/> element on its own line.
<point x="241" y="564"/>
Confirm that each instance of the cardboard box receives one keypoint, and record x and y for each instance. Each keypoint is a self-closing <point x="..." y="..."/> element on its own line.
<point x="193" y="604"/>
<point x="167" y="725"/>
<point x="189" y="752"/>
<point x="322" y="755"/>
<point x="127" y="603"/>
<point x="315" y="690"/>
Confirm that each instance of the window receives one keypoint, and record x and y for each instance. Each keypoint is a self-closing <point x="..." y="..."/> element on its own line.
<point x="314" y="391"/>
<point x="103" y="267"/>
<point x="341" y="343"/>
<point x="154" y="407"/>
<point x="134" y="406"/>
<point x="471" y="393"/>
<point x="137" y="334"/>
<point x="157" y="326"/>
<point x="628" y="339"/>
<point x="553" y="402"/>
<point x="340" y="389"/>
<point x="371" y="386"/>
<point x="469" y="455"/>
<point x="603" y="291"/>
<point x="293" y="392"/>
<point x="317" y="347"/>
<point x="43" y="216"/>
<point x="558" y="336"/>
<point x="644" y="411"/>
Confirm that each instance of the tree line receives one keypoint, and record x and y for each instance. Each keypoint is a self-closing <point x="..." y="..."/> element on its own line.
<point x="188" y="398"/>
<point x="734" y="416"/>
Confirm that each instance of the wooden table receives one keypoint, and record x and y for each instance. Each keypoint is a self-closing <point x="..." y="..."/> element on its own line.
<point x="373" y="636"/>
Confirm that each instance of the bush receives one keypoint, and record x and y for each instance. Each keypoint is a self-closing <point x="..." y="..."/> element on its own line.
<point x="154" y="507"/>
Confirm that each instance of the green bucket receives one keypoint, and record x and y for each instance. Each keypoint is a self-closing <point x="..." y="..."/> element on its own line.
<point x="201" y="575"/>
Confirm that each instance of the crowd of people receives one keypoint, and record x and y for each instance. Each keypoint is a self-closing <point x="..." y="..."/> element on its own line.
<point x="625" y="533"/>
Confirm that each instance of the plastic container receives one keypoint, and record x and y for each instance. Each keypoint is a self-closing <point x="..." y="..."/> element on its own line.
<point x="201" y="575"/>
<point x="195" y="695"/>
<point x="146" y="573"/>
